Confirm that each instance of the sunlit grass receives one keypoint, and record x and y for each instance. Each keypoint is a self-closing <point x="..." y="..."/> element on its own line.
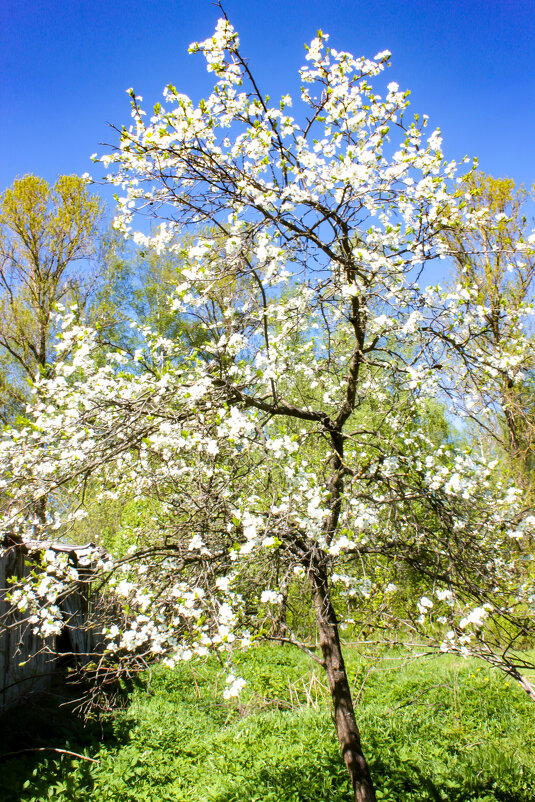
<point x="433" y="729"/>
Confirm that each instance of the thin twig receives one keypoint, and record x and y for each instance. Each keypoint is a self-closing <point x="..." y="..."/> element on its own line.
<point x="49" y="749"/>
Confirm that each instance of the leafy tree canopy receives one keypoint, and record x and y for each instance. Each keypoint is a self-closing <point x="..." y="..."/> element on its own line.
<point x="44" y="231"/>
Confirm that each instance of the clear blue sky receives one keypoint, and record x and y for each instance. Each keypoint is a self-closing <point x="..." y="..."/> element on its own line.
<point x="65" y="66"/>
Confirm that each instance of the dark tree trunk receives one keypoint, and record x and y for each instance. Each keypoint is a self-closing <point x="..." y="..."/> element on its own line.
<point x="344" y="714"/>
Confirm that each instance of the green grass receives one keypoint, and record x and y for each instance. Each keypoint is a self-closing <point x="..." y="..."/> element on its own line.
<point x="435" y="729"/>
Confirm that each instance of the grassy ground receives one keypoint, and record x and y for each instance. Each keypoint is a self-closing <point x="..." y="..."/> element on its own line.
<point x="434" y="729"/>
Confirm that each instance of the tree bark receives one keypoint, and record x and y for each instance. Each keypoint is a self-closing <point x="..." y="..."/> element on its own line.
<point x="526" y="685"/>
<point x="522" y="680"/>
<point x="344" y="714"/>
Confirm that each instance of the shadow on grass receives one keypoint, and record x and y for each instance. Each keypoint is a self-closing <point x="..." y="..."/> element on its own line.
<point x="38" y="735"/>
<point x="328" y="782"/>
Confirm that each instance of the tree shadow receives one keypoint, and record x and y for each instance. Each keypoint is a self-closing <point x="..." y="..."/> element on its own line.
<point x="38" y="736"/>
<point x="327" y="781"/>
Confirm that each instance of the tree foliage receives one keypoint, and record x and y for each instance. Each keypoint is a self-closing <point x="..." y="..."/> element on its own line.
<point x="44" y="230"/>
<point x="486" y="268"/>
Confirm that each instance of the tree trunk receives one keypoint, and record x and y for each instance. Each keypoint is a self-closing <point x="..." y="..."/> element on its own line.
<point x="522" y="680"/>
<point x="526" y="685"/>
<point x="344" y="714"/>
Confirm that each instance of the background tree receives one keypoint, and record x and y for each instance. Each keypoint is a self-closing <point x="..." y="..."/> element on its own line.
<point x="48" y="235"/>
<point x="489" y="272"/>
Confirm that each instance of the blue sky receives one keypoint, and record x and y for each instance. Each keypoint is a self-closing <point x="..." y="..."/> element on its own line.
<point x="65" y="67"/>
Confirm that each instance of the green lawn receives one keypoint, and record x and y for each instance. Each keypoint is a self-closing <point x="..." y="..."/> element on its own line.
<point x="433" y="729"/>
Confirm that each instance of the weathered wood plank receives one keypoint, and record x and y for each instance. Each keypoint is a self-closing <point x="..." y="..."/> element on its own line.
<point x="27" y="662"/>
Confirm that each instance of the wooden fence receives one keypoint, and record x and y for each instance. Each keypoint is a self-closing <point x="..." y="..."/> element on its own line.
<point x="27" y="661"/>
